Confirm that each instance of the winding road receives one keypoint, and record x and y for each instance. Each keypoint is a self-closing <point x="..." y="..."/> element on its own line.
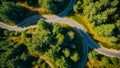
<point x="60" y="19"/>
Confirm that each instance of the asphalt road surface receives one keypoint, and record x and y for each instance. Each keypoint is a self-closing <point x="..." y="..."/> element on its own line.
<point x="60" y="19"/>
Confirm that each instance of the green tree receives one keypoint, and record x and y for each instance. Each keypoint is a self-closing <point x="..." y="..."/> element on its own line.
<point x="60" y="39"/>
<point x="105" y="61"/>
<point x="105" y="30"/>
<point x="48" y="5"/>
<point x="112" y="39"/>
<point x="58" y="51"/>
<point x="75" y="57"/>
<point x="118" y="24"/>
<point x="114" y="3"/>
<point x="66" y="52"/>
<point x="15" y="57"/>
<point x="10" y="15"/>
<point x="17" y="33"/>
<point x="71" y="35"/>
<point x="40" y="41"/>
<point x="61" y="63"/>
<point x="77" y="7"/>
<point x="6" y="32"/>
<point x="42" y="25"/>
<point x="57" y="28"/>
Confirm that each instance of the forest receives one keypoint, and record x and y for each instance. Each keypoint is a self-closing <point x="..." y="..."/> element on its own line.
<point x="50" y="5"/>
<point x="12" y="12"/>
<point x="104" y="16"/>
<point x="97" y="60"/>
<point x="48" y="45"/>
<point x="54" y="45"/>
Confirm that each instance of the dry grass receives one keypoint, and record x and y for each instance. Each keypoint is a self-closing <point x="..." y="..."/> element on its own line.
<point x="26" y="6"/>
<point x="36" y="66"/>
<point x="37" y="9"/>
<point x="33" y="54"/>
<point x="46" y="59"/>
<point x="94" y="63"/>
<point x="43" y="57"/>
<point x="16" y="39"/>
<point x="91" y="31"/>
<point x="31" y="31"/>
<point x="64" y="25"/>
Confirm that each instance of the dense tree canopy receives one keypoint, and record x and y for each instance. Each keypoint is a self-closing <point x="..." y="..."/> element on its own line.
<point x="12" y="13"/>
<point x="102" y="14"/>
<point x="29" y="2"/>
<point x="106" y="31"/>
<point x="51" y="5"/>
<point x="56" y="42"/>
<point x="96" y="60"/>
<point x="77" y="7"/>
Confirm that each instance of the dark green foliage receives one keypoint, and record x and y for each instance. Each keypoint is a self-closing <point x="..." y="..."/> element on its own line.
<point x="74" y="57"/>
<point x="6" y="44"/>
<point x="12" y="13"/>
<point x="77" y="7"/>
<point x="66" y="52"/>
<point x="101" y="14"/>
<point x="106" y="31"/>
<point x="61" y="63"/>
<point x="6" y="32"/>
<point x="48" y="5"/>
<point x="58" y="43"/>
<point x="17" y="33"/>
<point x="51" y="5"/>
<point x="39" y="42"/>
<point x="29" y="2"/>
<point x="14" y="56"/>
<point x="40" y="63"/>
<point x="11" y="33"/>
<point x="104" y="60"/>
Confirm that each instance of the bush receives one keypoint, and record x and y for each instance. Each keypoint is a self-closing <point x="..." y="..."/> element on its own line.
<point x="6" y="32"/>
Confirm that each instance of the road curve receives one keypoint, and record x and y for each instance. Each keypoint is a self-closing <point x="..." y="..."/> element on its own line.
<point x="50" y="20"/>
<point x="86" y="38"/>
<point x="69" y="7"/>
<point x="84" y="35"/>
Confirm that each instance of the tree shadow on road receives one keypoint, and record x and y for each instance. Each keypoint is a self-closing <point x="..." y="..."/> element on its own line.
<point x="87" y="39"/>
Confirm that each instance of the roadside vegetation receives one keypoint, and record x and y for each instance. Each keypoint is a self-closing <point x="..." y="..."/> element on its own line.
<point x="101" y="19"/>
<point x="53" y="45"/>
<point x="97" y="60"/>
<point x="12" y="12"/>
<point x="51" y="6"/>
<point x="48" y="45"/>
